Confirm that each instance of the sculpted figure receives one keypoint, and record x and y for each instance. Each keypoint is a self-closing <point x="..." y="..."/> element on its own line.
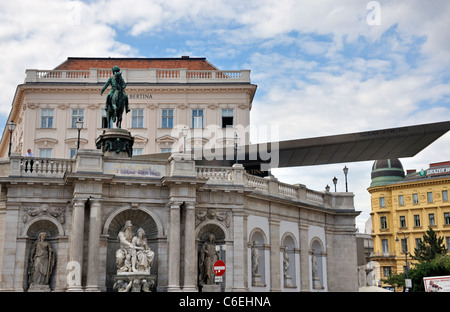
<point x="255" y="258"/>
<point x="42" y="261"/>
<point x="127" y="248"/>
<point x="116" y="99"/>
<point x="144" y="255"/>
<point x="285" y="261"/>
<point x="208" y="256"/>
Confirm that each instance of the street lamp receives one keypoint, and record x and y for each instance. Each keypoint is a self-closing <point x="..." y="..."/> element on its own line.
<point x="345" y="173"/>
<point x="406" y="253"/>
<point x="236" y="142"/>
<point x="335" y="182"/>
<point x="11" y="126"/>
<point x="79" y="125"/>
<point x="184" y="132"/>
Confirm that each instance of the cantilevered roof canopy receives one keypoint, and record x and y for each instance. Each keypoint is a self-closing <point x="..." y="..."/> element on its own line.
<point x="361" y="146"/>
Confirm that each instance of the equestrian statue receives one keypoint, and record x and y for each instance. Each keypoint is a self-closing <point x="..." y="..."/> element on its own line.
<point x="116" y="99"/>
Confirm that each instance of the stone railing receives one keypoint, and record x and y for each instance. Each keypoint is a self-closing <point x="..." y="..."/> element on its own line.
<point x="215" y="174"/>
<point x="148" y="75"/>
<point x="40" y="167"/>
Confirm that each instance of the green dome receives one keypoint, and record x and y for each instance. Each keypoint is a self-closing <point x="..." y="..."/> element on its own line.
<point x="386" y="171"/>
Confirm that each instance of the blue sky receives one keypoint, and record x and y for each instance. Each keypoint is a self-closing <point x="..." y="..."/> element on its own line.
<point x="322" y="67"/>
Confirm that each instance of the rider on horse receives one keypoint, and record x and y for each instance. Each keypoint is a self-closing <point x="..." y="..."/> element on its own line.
<point x="116" y="99"/>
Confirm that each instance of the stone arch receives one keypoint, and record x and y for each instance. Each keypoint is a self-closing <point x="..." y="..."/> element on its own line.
<point x="289" y="266"/>
<point x="220" y="239"/>
<point x="140" y="217"/>
<point x="54" y="231"/>
<point x="258" y="237"/>
<point x="317" y="257"/>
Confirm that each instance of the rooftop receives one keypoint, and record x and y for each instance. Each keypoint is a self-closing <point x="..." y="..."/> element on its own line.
<point x="85" y="63"/>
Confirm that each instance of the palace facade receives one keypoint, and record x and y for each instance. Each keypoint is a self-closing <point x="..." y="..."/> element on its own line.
<point x="271" y="235"/>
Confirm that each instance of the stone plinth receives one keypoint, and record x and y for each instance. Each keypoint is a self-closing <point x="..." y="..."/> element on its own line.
<point x="211" y="288"/>
<point x="116" y="143"/>
<point x="256" y="281"/>
<point x="135" y="282"/>
<point x="39" y="288"/>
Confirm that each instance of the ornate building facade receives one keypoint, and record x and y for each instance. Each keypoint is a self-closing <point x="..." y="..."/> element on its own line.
<point x="271" y="236"/>
<point x="404" y="206"/>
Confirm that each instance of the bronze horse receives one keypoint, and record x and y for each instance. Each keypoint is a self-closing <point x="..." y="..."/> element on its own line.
<point x="116" y="99"/>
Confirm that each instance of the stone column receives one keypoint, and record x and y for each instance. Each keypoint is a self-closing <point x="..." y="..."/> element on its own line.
<point x="189" y="249"/>
<point x="94" y="247"/>
<point x="174" y="248"/>
<point x="275" y="273"/>
<point x="76" y="246"/>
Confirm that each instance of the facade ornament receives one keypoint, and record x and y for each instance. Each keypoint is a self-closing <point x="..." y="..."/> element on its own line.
<point x="44" y="209"/>
<point x="211" y="214"/>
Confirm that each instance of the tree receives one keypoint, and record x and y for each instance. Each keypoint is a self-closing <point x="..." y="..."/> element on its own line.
<point x="430" y="247"/>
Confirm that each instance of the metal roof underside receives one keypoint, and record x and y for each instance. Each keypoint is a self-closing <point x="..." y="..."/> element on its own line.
<point x="361" y="146"/>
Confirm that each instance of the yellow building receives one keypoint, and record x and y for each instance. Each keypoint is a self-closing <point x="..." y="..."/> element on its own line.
<point x="404" y="206"/>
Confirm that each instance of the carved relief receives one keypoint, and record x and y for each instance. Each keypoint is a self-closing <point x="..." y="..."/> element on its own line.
<point x="43" y="210"/>
<point x="211" y="214"/>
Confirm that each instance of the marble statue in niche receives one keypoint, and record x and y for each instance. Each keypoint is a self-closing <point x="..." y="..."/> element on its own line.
<point x="41" y="264"/>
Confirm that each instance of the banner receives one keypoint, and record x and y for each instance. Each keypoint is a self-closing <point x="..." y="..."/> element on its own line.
<point x="437" y="284"/>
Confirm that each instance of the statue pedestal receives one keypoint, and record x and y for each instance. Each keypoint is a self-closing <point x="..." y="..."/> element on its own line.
<point x="135" y="282"/>
<point x="211" y="288"/>
<point x="115" y="143"/>
<point x="288" y="282"/>
<point x="316" y="283"/>
<point x="256" y="281"/>
<point x="39" y="288"/>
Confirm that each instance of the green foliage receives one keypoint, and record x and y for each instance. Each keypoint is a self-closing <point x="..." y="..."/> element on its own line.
<point x="395" y="280"/>
<point x="430" y="247"/>
<point x="440" y="266"/>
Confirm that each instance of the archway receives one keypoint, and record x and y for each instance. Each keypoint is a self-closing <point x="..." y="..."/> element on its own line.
<point x="139" y="219"/>
<point x="203" y="261"/>
<point x="53" y="232"/>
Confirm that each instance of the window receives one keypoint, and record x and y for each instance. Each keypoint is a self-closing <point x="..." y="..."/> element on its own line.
<point x="166" y="150"/>
<point x="383" y="222"/>
<point x="137" y="118"/>
<point x="404" y="245"/>
<point x="197" y="118"/>
<point x="385" y="246"/>
<point x="77" y="114"/>
<point x="447" y="241"/>
<point x="167" y="118"/>
<point x="137" y="151"/>
<point x="402" y="222"/>
<point x="430" y="197"/>
<point x="401" y="200"/>
<point x="447" y="218"/>
<point x="104" y="119"/>
<point x="72" y="152"/>
<point x="47" y="118"/>
<point x="445" y="195"/>
<point x="415" y="198"/>
<point x="418" y="241"/>
<point x="386" y="271"/>
<point x="416" y="220"/>
<point x="227" y="117"/>
<point x="382" y="204"/>
<point x="431" y="219"/>
<point x="45" y="152"/>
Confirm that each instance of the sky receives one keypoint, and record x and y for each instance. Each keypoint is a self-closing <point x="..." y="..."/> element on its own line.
<point x="322" y="67"/>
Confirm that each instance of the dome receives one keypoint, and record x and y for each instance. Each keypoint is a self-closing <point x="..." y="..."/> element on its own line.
<point x="386" y="171"/>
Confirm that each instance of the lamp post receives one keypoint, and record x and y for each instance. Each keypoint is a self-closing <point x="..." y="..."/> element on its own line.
<point x="345" y="173"/>
<point x="406" y="254"/>
<point x="184" y="132"/>
<point x="236" y="142"/>
<point x="79" y="125"/>
<point x="11" y="126"/>
<point x="334" y="182"/>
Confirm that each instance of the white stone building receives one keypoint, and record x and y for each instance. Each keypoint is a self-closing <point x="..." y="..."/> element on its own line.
<point x="81" y="199"/>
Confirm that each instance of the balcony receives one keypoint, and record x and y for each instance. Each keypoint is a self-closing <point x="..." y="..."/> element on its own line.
<point x="147" y="75"/>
